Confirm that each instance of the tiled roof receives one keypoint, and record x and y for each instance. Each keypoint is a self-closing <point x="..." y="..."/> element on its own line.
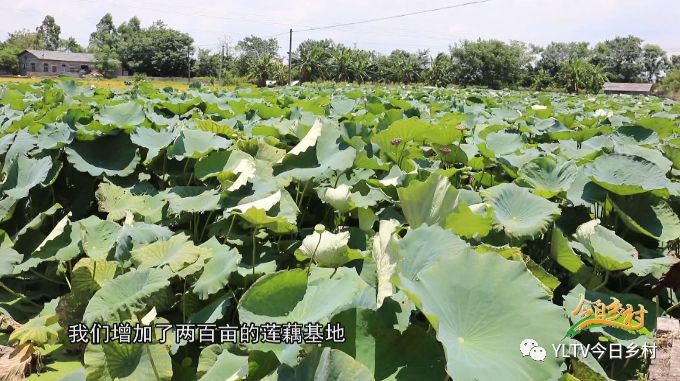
<point x="61" y="56"/>
<point x="634" y="87"/>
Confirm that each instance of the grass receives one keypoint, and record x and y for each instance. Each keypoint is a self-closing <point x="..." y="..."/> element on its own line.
<point x="115" y="83"/>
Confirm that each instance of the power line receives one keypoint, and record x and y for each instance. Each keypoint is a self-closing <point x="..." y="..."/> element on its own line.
<point x="394" y="16"/>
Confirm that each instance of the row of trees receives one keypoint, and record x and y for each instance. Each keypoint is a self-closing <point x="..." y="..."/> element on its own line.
<point x="573" y="66"/>
<point x="161" y="51"/>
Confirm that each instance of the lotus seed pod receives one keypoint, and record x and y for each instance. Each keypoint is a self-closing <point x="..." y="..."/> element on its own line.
<point x="319" y="228"/>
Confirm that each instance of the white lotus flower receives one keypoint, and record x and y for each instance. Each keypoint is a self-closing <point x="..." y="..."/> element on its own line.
<point x="339" y="197"/>
<point x="600" y="113"/>
<point x="539" y="107"/>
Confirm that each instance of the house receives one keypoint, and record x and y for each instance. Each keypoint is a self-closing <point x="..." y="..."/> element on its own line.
<point x="53" y="63"/>
<point x="628" y="88"/>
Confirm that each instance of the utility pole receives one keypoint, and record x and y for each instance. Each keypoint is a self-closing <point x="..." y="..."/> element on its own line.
<point x="219" y="74"/>
<point x="290" y="56"/>
<point x="189" y="64"/>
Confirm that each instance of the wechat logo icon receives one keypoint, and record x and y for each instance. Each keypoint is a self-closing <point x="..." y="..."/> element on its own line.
<point x="529" y="347"/>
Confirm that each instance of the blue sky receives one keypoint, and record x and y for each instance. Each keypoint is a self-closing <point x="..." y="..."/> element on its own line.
<point x="211" y="22"/>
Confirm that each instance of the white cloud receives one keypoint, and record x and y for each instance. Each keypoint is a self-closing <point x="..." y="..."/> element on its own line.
<point x="209" y="22"/>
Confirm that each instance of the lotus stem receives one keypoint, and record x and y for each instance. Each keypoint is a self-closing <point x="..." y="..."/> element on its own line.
<point x="311" y="259"/>
<point x="254" y="246"/>
<point x="604" y="282"/>
<point x="19" y="295"/>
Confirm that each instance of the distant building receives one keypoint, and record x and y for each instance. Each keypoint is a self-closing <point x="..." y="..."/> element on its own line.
<point x="53" y="63"/>
<point x="628" y="88"/>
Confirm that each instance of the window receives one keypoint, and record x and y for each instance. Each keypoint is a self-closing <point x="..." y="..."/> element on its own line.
<point x="54" y="68"/>
<point x="64" y="68"/>
<point x="46" y="67"/>
<point x="73" y="69"/>
<point x="33" y="66"/>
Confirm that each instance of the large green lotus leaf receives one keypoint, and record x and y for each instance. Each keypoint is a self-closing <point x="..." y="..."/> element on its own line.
<point x="8" y="259"/>
<point x="88" y="275"/>
<point x="651" y="155"/>
<point x="648" y="215"/>
<point x="191" y="199"/>
<point x="341" y="106"/>
<point x="138" y="233"/>
<point x="180" y="106"/>
<point x="118" y="202"/>
<point x="216" y="271"/>
<point x="548" y="176"/>
<point x="475" y="221"/>
<point x="405" y="130"/>
<point x="422" y="246"/>
<point x="564" y="255"/>
<point x="513" y="161"/>
<point x="153" y="140"/>
<point x="122" y="115"/>
<point x="502" y="143"/>
<point x="626" y="338"/>
<point x="216" y="363"/>
<point x="481" y="319"/>
<point x="195" y="144"/>
<point x="233" y="168"/>
<point x="98" y="237"/>
<point x="585" y="192"/>
<point x="308" y="140"/>
<point x="39" y="331"/>
<point x="109" y="155"/>
<point x="276" y="212"/>
<point x="176" y="252"/>
<point x="609" y="251"/>
<point x="61" y="244"/>
<point x="125" y="292"/>
<point x="373" y="340"/>
<point x="24" y="174"/>
<point x="290" y="296"/>
<point x="626" y="175"/>
<point x="518" y="212"/>
<point x="329" y="155"/>
<point x="55" y="135"/>
<point x="385" y="266"/>
<point x="328" y="249"/>
<point x="328" y="365"/>
<point x="428" y="202"/>
<point x="662" y="126"/>
<point x="635" y="135"/>
<point x="127" y="362"/>
<point x="213" y="312"/>
<point x="7" y="206"/>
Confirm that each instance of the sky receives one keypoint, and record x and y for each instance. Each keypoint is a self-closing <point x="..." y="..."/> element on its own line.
<point x="212" y="22"/>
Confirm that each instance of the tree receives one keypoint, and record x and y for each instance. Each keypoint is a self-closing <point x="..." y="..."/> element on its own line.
<point x="207" y="64"/>
<point x="129" y="28"/>
<point x="312" y="59"/>
<point x="675" y="62"/>
<point x="441" y="72"/>
<point x="490" y="63"/>
<point x="555" y="54"/>
<point x="581" y="75"/>
<point x="48" y="32"/>
<point x="105" y="36"/>
<point x="251" y="49"/>
<point x="17" y="42"/>
<point x="362" y="65"/>
<point x="621" y="58"/>
<point x="157" y="51"/>
<point x="70" y="44"/>
<point x="655" y="62"/>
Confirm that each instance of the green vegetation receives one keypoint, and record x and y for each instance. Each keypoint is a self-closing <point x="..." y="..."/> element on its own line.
<point x="439" y="227"/>
<point x="160" y="51"/>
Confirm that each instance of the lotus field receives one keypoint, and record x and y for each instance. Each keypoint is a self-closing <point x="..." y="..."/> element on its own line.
<point x="333" y="233"/>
